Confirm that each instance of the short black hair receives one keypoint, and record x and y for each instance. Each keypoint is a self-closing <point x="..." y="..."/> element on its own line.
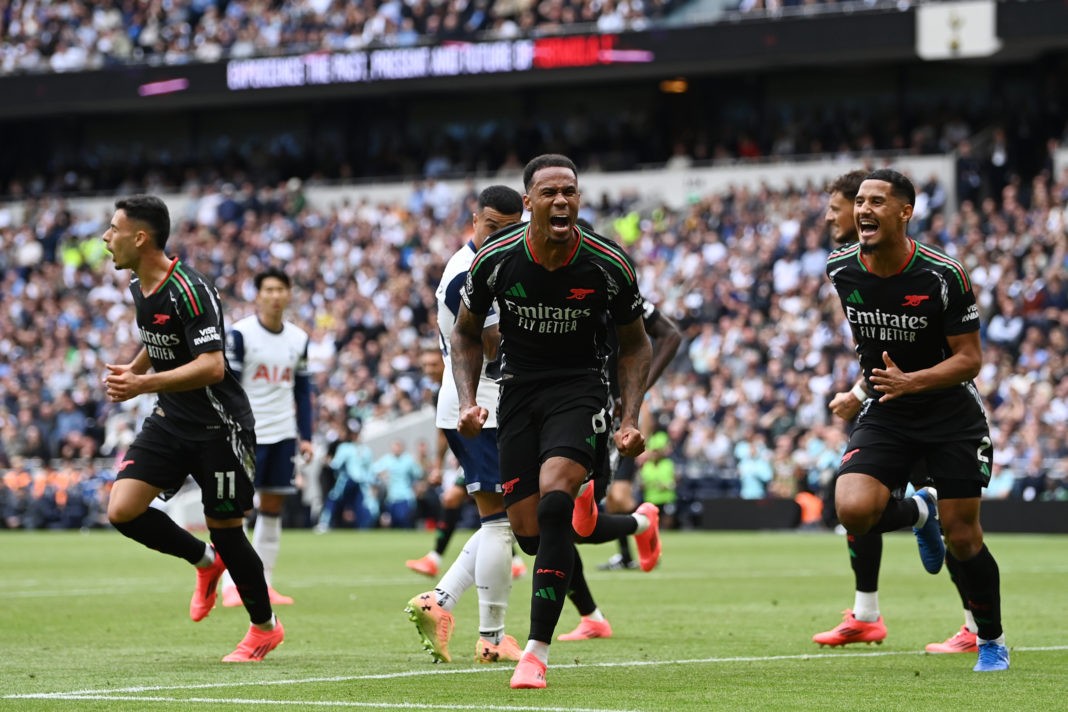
<point x="900" y="186"/>
<point x="150" y="210"/>
<point x="505" y="200"/>
<point x="546" y="160"/>
<point x="270" y="272"/>
<point x="848" y="184"/>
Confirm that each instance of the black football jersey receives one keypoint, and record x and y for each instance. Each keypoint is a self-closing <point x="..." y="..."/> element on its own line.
<point x="553" y="322"/>
<point x="909" y="314"/>
<point x="179" y="320"/>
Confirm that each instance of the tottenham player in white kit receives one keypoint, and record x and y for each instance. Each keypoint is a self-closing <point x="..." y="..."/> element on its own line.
<point x="486" y="559"/>
<point x="270" y="356"/>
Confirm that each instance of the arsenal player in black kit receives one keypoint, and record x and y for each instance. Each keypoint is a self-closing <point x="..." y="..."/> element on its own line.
<point x="916" y="327"/>
<point x="863" y="623"/>
<point x="201" y="424"/>
<point x="554" y="285"/>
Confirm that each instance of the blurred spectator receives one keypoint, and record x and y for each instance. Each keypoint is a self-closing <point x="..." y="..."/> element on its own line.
<point x="969" y="174"/>
<point x="786" y="472"/>
<point x="353" y="499"/>
<point x="1006" y="327"/>
<point x="1002" y="483"/>
<point x="658" y="479"/>
<point x="399" y="473"/>
<point x="754" y="467"/>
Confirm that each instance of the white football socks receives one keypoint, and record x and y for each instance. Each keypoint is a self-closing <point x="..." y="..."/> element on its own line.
<point x="866" y="606"/>
<point x="921" y="505"/>
<point x="493" y="577"/>
<point x="540" y="650"/>
<point x="266" y="540"/>
<point x="461" y="575"/>
<point x="209" y="557"/>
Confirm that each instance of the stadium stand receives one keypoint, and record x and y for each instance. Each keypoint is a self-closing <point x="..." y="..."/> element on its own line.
<point x="740" y="270"/>
<point x="738" y="265"/>
<point x="722" y="117"/>
<point x="40" y="36"/>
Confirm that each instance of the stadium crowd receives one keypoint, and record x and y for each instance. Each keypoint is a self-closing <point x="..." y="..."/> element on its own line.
<point x="606" y="140"/>
<point x="75" y="35"/>
<point x="732" y="125"/>
<point x="780" y="8"/>
<point x="744" y="406"/>
<point x="987" y="153"/>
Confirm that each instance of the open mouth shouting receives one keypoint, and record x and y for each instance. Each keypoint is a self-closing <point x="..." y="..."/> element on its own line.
<point x="867" y="227"/>
<point x="560" y="224"/>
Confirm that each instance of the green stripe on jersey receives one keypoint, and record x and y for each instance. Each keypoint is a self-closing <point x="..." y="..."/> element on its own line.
<point x="505" y="242"/>
<point x="934" y="257"/>
<point x="185" y="288"/>
<point x="844" y="253"/>
<point x="611" y="253"/>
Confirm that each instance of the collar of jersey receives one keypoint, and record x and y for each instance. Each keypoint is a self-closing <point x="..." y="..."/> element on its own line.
<point x="533" y="257"/>
<point x="170" y="271"/>
<point x="905" y="266"/>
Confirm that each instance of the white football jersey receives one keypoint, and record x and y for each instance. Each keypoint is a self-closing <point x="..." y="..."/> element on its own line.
<point x="268" y="364"/>
<point x="448" y="294"/>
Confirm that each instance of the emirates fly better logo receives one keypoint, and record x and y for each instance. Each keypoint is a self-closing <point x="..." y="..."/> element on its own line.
<point x="874" y="323"/>
<point x="547" y="319"/>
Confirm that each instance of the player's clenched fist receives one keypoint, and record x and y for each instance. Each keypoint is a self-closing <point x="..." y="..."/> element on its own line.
<point x="471" y="421"/>
<point x="630" y="441"/>
<point x="120" y="383"/>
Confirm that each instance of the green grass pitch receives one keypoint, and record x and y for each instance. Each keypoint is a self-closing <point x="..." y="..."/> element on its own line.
<point x="97" y="622"/>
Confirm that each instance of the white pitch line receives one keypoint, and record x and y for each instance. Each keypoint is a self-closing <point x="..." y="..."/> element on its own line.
<point x="114" y="693"/>
<point x="262" y="683"/>
<point x="79" y="592"/>
<point x="326" y="703"/>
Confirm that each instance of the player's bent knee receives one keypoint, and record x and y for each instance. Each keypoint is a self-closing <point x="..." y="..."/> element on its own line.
<point x="856" y="522"/>
<point x="964" y="543"/>
<point x="123" y="512"/>
<point x="119" y="517"/>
